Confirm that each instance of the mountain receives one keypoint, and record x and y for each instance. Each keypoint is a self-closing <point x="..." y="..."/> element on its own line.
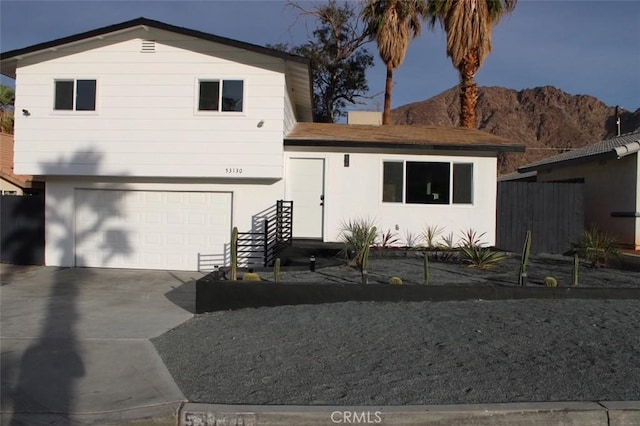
<point x="546" y="119"/>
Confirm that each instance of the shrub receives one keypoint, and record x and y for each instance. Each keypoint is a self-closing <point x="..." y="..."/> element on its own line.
<point x="597" y="247"/>
<point x="482" y="257"/>
<point x="395" y="281"/>
<point x="550" y="282"/>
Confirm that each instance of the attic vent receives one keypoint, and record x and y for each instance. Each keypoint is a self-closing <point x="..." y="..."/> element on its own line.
<point x="148" y="46"/>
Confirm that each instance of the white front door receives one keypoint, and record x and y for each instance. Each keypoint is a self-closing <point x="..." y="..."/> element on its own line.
<point x="306" y="190"/>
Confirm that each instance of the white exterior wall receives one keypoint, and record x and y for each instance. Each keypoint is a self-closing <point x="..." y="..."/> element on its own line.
<point x="356" y="192"/>
<point x="610" y="186"/>
<point x="8" y="187"/>
<point x="147" y="121"/>
<point x="249" y="201"/>
<point x="289" y="115"/>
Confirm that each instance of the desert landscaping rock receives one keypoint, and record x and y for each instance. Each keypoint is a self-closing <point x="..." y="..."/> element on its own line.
<point x="368" y="353"/>
<point x="410" y="269"/>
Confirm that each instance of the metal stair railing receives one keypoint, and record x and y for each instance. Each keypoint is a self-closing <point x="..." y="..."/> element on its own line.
<point x="263" y="246"/>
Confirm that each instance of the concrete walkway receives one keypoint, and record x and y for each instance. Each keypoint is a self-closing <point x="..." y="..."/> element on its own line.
<point x="75" y="344"/>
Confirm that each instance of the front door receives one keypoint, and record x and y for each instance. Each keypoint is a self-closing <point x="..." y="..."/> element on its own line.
<point x="306" y="190"/>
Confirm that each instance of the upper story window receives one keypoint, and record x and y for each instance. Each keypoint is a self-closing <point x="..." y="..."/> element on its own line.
<point x="221" y="95"/>
<point x="75" y="95"/>
<point x="421" y="182"/>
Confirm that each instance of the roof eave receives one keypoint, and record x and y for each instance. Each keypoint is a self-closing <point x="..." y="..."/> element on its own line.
<point x="412" y="146"/>
<point x="144" y="22"/>
<point x="570" y="162"/>
<point x="627" y="149"/>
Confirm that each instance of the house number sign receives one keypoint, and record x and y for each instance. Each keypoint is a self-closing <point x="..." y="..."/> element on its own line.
<point x="233" y="170"/>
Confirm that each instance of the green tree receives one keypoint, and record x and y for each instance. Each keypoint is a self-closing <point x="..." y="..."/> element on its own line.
<point x="393" y="24"/>
<point x="7" y="99"/>
<point x="338" y="59"/>
<point x="468" y="24"/>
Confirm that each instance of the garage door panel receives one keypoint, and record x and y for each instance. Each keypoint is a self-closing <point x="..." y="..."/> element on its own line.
<point x="150" y="229"/>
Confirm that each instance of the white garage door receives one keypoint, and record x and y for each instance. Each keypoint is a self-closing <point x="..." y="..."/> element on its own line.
<point x="150" y="229"/>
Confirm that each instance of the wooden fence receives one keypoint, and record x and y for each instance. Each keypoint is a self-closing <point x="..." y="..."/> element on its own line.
<point x="554" y="212"/>
<point x="22" y="229"/>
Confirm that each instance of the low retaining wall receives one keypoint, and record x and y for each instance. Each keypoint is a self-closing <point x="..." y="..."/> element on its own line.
<point x="212" y="295"/>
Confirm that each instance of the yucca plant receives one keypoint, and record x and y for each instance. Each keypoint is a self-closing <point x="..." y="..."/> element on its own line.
<point x="388" y="239"/>
<point x="482" y="257"/>
<point x="410" y="239"/>
<point x="358" y="235"/>
<point x="430" y="234"/>
<point x="470" y="238"/>
<point x="597" y="247"/>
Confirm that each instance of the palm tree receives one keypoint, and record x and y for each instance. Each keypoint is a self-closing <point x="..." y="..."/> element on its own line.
<point x="468" y="24"/>
<point x="392" y="24"/>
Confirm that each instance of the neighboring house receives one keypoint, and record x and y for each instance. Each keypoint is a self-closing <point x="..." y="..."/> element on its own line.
<point x="10" y="183"/>
<point x="610" y="170"/>
<point x="155" y="140"/>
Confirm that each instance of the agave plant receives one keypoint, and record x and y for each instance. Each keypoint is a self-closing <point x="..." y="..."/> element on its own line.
<point x="482" y="257"/>
<point x="597" y="247"/>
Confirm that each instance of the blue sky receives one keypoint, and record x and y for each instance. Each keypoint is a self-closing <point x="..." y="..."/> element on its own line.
<point x="582" y="47"/>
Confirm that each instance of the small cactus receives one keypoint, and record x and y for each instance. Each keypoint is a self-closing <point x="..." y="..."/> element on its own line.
<point x="576" y="268"/>
<point x="426" y="270"/>
<point x="395" y="281"/>
<point x="550" y="282"/>
<point x="251" y="276"/>
<point x="276" y="270"/>
<point x="234" y="254"/>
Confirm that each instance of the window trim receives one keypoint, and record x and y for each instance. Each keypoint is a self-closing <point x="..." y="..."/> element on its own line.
<point x="219" y="111"/>
<point x="74" y="110"/>
<point x="451" y="164"/>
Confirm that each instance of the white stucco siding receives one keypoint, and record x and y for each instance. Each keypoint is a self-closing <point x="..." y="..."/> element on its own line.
<point x="249" y="202"/>
<point x="146" y="121"/>
<point x="610" y="186"/>
<point x="356" y="192"/>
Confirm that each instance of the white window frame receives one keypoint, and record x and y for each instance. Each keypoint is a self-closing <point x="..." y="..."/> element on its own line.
<point x="74" y="111"/>
<point x="451" y="182"/>
<point x="219" y="111"/>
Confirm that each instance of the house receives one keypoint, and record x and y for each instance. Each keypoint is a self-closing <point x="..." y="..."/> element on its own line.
<point x="155" y="140"/>
<point x="10" y="183"/>
<point x="610" y="171"/>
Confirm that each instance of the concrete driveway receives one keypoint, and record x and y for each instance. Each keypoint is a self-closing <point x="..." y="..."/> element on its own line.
<point x="75" y="344"/>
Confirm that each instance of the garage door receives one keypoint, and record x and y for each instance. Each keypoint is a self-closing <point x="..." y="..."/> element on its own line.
<point x="150" y="229"/>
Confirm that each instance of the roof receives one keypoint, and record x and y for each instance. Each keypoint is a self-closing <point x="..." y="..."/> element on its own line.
<point x="6" y="165"/>
<point x="617" y="147"/>
<point x="298" y="67"/>
<point x="397" y="136"/>
<point x="518" y="177"/>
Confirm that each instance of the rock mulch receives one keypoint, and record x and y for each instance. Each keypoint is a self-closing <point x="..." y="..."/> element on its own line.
<point x="370" y="353"/>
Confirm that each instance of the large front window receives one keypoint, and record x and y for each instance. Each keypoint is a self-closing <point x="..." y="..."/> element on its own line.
<point x="422" y="182"/>
<point x="75" y="95"/>
<point x="230" y="98"/>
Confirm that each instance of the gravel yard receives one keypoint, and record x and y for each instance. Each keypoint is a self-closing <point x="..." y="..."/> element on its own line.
<point x="372" y="353"/>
